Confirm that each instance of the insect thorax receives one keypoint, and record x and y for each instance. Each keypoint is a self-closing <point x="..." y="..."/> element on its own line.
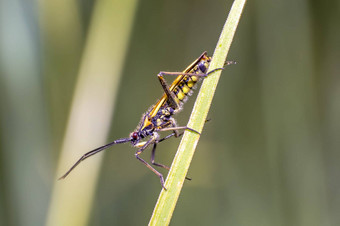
<point x="148" y="124"/>
<point x="163" y="116"/>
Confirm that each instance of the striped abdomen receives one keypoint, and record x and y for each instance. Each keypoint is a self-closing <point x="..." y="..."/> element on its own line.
<point x="183" y="88"/>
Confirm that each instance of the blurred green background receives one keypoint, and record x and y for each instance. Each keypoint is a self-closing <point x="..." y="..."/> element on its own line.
<point x="269" y="156"/>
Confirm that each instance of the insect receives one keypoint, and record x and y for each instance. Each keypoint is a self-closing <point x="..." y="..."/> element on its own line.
<point x="159" y="117"/>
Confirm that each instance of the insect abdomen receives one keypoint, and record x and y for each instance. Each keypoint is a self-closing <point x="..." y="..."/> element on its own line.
<point x="184" y="89"/>
<point x="185" y="86"/>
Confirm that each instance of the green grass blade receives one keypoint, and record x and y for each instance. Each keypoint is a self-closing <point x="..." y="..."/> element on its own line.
<point x="167" y="200"/>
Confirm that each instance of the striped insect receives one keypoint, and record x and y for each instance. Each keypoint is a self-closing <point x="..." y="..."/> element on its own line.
<point x="159" y="117"/>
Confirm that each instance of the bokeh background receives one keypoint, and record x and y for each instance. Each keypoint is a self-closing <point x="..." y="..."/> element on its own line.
<point x="269" y="156"/>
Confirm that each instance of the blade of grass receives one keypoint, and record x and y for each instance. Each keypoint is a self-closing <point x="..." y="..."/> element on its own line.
<point x="167" y="200"/>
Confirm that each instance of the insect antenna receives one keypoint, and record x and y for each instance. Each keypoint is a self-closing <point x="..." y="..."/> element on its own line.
<point x="93" y="152"/>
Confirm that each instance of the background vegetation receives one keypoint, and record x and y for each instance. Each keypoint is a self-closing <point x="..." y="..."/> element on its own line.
<point x="269" y="156"/>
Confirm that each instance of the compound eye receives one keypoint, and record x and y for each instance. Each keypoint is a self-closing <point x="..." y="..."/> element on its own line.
<point x="134" y="135"/>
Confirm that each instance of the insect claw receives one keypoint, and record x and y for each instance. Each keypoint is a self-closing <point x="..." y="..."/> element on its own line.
<point x="192" y="130"/>
<point x="162" y="182"/>
<point x="230" y="62"/>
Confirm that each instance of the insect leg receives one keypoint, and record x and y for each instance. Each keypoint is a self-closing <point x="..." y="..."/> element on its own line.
<point x="153" y="156"/>
<point x="175" y="128"/>
<point x="175" y="133"/>
<point x="140" y="151"/>
<point x="168" y="136"/>
<point x="178" y="134"/>
<point x="178" y="128"/>
<point x="171" y="96"/>
<point x="221" y="68"/>
<point x="173" y="100"/>
<point x="160" y="74"/>
<point x="229" y="62"/>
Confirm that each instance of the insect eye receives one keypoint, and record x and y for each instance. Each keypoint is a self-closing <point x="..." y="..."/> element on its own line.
<point x="202" y="67"/>
<point x="134" y="135"/>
